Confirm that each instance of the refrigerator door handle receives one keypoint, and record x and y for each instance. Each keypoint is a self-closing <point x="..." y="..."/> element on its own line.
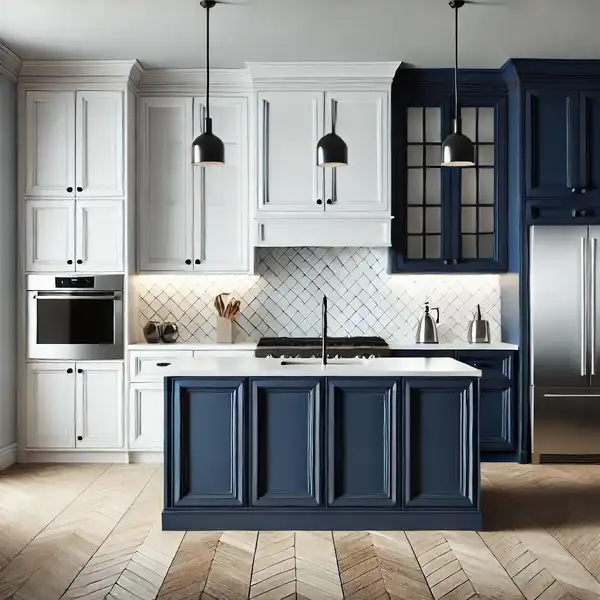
<point x="592" y="308"/>
<point x="583" y="308"/>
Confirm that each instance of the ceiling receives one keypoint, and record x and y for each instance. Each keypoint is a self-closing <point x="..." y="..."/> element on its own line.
<point x="170" y="33"/>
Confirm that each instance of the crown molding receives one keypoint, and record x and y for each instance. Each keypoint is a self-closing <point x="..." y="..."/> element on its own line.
<point x="194" y="80"/>
<point x="81" y="71"/>
<point x="10" y="63"/>
<point x="266" y="73"/>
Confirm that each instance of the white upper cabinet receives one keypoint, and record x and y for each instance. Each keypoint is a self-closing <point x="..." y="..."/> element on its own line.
<point x="50" y="144"/>
<point x="49" y="235"/>
<point x="74" y="144"/>
<point x="362" y="122"/>
<point x="51" y="405"/>
<point x="99" y="145"/>
<point x="99" y="405"/>
<point x="165" y="184"/>
<point x="99" y="236"/>
<point x="221" y="203"/>
<point x="290" y="124"/>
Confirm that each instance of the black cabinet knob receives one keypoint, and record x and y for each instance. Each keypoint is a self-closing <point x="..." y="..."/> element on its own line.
<point x="79" y="261"/>
<point x="197" y="261"/>
<point x="446" y="261"/>
<point x="79" y="438"/>
<point x="319" y="201"/>
<point x="583" y="213"/>
<point x="69" y="189"/>
<point x="80" y="370"/>
<point x="329" y="201"/>
<point x="162" y="364"/>
<point x="79" y="188"/>
<point x="584" y="190"/>
<point x="188" y="261"/>
<point x="573" y="190"/>
<point x="69" y="262"/>
<point x="69" y="371"/>
<point x="574" y="213"/>
<point x="455" y="261"/>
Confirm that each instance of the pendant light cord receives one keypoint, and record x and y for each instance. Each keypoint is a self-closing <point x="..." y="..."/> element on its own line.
<point x="456" y="65"/>
<point x="208" y="64"/>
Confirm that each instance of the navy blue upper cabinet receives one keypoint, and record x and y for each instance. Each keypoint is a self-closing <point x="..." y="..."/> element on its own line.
<point x="285" y="433"/>
<point x="589" y="143"/>
<point x="448" y="220"/>
<point x="362" y="442"/>
<point x="207" y="417"/>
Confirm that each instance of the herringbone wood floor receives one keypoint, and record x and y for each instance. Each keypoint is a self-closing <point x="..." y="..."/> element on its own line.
<point x="85" y="532"/>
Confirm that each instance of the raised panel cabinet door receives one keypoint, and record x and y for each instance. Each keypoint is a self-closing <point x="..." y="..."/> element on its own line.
<point x="99" y="235"/>
<point x="49" y="235"/>
<point x="362" y="447"/>
<point x="99" y="405"/>
<point x="221" y="193"/>
<point x="497" y="413"/>
<point x="51" y="405"/>
<point x="362" y="121"/>
<point x="206" y="420"/>
<point x="165" y="184"/>
<point x="99" y="144"/>
<point x="285" y="439"/>
<point x="551" y="143"/>
<point x="146" y="416"/>
<point x="441" y="443"/>
<point x="50" y="144"/>
<point x="589" y="128"/>
<point x="290" y="125"/>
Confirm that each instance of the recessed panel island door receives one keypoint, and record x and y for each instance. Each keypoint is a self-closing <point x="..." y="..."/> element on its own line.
<point x="285" y="439"/>
<point x="204" y="454"/>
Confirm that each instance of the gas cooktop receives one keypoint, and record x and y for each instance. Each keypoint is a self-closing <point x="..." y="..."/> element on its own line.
<point x="309" y="347"/>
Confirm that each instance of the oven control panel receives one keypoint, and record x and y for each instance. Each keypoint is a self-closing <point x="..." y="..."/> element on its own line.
<point x="74" y="282"/>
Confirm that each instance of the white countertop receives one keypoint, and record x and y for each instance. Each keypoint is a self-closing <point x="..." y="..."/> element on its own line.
<point x="271" y="367"/>
<point x="457" y="345"/>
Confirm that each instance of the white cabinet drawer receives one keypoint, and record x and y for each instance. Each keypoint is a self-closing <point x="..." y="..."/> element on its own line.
<point x="223" y="353"/>
<point x="144" y="366"/>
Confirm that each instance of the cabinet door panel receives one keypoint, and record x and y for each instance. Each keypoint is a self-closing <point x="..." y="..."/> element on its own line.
<point x="50" y="144"/>
<point x="146" y="416"/>
<point x="497" y="417"/>
<point x="551" y="143"/>
<point x="221" y="219"/>
<point x="165" y="182"/>
<point x="208" y="418"/>
<point x="51" y="405"/>
<point x="99" y="405"/>
<point x="589" y="169"/>
<point x="290" y="126"/>
<point x="286" y="445"/>
<point x="361" y="120"/>
<point x="99" y="229"/>
<point x="99" y="148"/>
<point x="440" y="443"/>
<point x="50" y="235"/>
<point x="362" y="442"/>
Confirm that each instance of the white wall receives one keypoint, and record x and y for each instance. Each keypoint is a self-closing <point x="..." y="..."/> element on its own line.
<point x="8" y="226"/>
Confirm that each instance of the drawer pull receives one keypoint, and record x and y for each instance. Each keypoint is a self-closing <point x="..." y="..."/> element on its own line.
<point x="162" y="364"/>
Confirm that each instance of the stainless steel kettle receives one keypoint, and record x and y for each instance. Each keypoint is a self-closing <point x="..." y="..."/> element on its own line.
<point x="478" y="331"/>
<point x="427" y="330"/>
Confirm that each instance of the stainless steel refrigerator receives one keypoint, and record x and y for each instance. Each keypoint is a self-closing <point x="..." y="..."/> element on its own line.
<point x="565" y="343"/>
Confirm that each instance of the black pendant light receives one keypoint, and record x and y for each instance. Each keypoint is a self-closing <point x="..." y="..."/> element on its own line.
<point x="208" y="150"/>
<point x="331" y="149"/>
<point x="457" y="149"/>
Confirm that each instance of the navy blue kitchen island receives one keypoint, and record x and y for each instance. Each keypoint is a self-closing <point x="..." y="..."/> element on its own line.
<point x="389" y="443"/>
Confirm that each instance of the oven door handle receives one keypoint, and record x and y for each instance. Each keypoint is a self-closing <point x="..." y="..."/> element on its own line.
<point x="77" y="297"/>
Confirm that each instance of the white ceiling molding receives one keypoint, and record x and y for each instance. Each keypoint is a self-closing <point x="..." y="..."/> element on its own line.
<point x="10" y="63"/>
<point x="312" y="74"/>
<point x="193" y="81"/>
<point x="81" y="71"/>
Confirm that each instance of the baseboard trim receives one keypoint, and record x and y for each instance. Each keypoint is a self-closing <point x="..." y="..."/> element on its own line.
<point x="76" y="456"/>
<point x="146" y="457"/>
<point x="8" y="456"/>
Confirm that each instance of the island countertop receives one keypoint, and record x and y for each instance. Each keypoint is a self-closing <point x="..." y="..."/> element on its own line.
<point x="277" y="367"/>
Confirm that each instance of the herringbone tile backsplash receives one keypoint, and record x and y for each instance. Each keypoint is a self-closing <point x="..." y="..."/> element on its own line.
<point x="284" y="298"/>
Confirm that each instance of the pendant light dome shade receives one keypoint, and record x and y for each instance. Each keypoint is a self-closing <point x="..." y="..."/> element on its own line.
<point x="208" y="150"/>
<point x="457" y="149"/>
<point x="332" y="151"/>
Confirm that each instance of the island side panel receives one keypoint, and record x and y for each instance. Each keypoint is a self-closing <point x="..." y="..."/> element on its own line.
<point x="441" y="444"/>
<point x="204" y="442"/>
<point x="286" y="441"/>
